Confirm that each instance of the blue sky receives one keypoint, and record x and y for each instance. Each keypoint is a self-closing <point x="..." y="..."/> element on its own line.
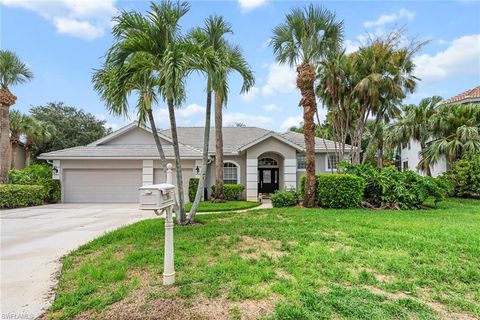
<point x="63" y="41"/>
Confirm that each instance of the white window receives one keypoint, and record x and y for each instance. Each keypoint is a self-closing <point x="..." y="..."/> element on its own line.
<point x="301" y="161"/>
<point x="267" y="162"/>
<point x="230" y="173"/>
<point x="332" y="162"/>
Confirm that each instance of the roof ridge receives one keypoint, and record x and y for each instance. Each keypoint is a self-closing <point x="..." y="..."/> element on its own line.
<point x="467" y="94"/>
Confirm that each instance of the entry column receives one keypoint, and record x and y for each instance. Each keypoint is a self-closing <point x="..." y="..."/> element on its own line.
<point x="252" y="182"/>
<point x="290" y="174"/>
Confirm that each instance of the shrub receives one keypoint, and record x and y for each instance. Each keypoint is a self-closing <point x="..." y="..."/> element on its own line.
<point x="15" y="195"/>
<point x="38" y="174"/>
<point x="391" y="188"/>
<point x="192" y="188"/>
<point x="339" y="190"/>
<point x="464" y="177"/>
<point x="231" y="191"/>
<point x="284" y="199"/>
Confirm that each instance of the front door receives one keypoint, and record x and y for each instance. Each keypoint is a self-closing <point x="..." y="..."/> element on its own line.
<point x="267" y="180"/>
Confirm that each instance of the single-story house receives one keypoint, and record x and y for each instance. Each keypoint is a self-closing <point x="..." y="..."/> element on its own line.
<point x="410" y="154"/>
<point x="113" y="168"/>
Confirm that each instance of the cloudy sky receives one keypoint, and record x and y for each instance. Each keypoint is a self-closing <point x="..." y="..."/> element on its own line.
<point x="62" y="41"/>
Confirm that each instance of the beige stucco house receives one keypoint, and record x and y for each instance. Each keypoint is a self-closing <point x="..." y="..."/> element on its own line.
<point x="114" y="167"/>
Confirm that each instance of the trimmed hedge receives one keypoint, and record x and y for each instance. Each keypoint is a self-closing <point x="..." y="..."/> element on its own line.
<point x="231" y="191"/>
<point x="38" y="174"/>
<point x="284" y="199"/>
<point x="192" y="188"/>
<point x="17" y="195"/>
<point x="336" y="190"/>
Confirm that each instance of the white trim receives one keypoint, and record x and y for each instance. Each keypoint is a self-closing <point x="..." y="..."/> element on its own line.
<point x="147" y="172"/>
<point x="238" y="169"/>
<point x="271" y="134"/>
<point x="327" y="169"/>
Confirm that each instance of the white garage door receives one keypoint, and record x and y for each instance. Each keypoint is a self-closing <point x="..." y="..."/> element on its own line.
<point x="102" y="185"/>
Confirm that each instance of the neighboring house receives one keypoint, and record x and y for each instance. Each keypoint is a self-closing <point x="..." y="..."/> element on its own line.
<point x="114" y="167"/>
<point x="410" y="155"/>
<point x="19" y="161"/>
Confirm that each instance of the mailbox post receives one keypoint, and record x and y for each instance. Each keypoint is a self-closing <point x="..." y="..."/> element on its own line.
<point x="162" y="197"/>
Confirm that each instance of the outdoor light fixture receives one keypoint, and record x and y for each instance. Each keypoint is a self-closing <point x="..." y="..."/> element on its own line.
<point x="197" y="170"/>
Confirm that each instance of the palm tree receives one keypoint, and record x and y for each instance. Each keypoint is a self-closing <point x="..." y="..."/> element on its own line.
<point x="414" y="123"/>
<point x="17" y="129"/>
<point x="210" y="40"/>
<point x="35" y="132"/>
<point x="12" y="72"/>
<point x="115" y="84"/>
<point x="233" y="60"/>
<point x="455" y="133"/>
<point x="302" y="41"/>
<point x="158" y="36"/>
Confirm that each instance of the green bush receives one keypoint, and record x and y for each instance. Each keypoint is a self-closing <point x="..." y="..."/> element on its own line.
<point x="192" y="188"/>
<point x="38" y="174"/>
<point x="336" y="190"/>
<point x="464" y="177"/>
<point x="284" y="199"/>
<point x="231" y="191"/>
<point x="391" y="188"/>
<point x="15" y="195"/>
<point x="339" y="190"/>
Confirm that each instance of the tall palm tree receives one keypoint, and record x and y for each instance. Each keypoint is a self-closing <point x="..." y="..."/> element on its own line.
<point x="302" y="41"/>
<point x="17" y="129"/>
<point x="158" y="36"/>
<point x="115" y="84"/>
<point x="210" y="40"/>
<point x="233" y="60"/>
<point x="12" y="72"/>
<point x="35" y="132"/>
<point x="414" y="123"/>
<point x="455" y="133"/>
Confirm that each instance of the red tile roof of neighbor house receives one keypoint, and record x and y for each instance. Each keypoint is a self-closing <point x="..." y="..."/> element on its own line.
<point x="472" y="95"/>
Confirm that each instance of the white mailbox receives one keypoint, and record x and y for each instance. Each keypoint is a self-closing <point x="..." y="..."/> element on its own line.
<point x="157" y="196"/>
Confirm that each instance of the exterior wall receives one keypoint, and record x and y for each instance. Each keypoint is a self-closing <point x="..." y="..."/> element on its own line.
<point x="239" y="160"/>
<point x="412" y="155"/>
<point x="188" y="171"/>
<point x="19" y="160"/>
<point x="136" y="136"/>
<point x="270" y="145"/>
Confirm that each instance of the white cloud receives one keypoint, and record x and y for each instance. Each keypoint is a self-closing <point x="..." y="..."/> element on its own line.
<point x="191" y="115"/>
<point x="230" y="119"/>
<point x="292" y="121"/>
<point x="389" y="18"/>
<point x="250" y="95"/>
<point x="281" y="79"/>
<point x="271" y="107"/>
<point x="351" y="46"/>
<point x="86" y="19"/>
<point x="248" y="5"/>
<point x="461" y="57"/>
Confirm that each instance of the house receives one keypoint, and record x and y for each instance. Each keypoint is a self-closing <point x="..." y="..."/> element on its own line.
<point x="410" y="155"/>
<point x="113" y="168"/>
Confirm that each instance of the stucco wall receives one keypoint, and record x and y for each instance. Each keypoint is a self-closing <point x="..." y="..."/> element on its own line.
<point x="135" y="136"/>
<point x="19" y="161"/>
<point x="412" y="155"/>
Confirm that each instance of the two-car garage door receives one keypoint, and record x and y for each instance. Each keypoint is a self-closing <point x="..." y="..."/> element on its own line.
<point x="101" y="185"/>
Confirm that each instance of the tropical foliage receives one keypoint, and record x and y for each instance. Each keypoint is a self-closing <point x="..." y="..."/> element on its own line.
<point x="231" y="191"/>
<point x="284" y="199"/>
<point x="16" y="195"/>
<point x="464" y="177"/>
<point x="38" y="174"/>
<point x="12" y="72"/>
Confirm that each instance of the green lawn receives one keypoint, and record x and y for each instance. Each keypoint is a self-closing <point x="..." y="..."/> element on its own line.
<point x="208" y="206"/>
<point x="285" y="264"/>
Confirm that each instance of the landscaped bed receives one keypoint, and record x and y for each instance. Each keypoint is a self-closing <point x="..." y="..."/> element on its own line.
<point x="284" y="263"/>
<point x="208" y="206"/>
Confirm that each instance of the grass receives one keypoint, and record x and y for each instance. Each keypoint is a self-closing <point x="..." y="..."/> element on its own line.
<point x="207" y="206"/>
<point x="295" y="263"/>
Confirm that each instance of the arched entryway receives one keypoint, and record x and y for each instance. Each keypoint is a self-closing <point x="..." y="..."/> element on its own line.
<point x="269" y="172"/>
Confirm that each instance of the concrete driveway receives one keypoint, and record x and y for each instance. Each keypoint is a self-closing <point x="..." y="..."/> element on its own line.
<point x="34" y="239"/>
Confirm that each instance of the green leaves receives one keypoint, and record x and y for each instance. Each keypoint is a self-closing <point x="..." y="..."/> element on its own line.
<point x="12" y="70"/>
<point x="14" y="195"/>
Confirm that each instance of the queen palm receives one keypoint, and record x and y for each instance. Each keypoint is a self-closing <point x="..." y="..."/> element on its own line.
<point x="17" y="129"/>
<point x="210" y="40"/>
<point x="233" y="60"/>
<point x="35" y="132"/>
<point x="157" y="36"/>
<point x="115" y="84"/>
<point x="302" y="41"/>
<point x="12" y="72"/>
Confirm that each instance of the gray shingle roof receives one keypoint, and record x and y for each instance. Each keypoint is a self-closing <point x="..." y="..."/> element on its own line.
<point x="320" y="143"/>
<point x="116" y="151"/>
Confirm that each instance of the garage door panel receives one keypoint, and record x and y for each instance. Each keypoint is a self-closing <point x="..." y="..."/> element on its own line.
<point x="113" y="185"/>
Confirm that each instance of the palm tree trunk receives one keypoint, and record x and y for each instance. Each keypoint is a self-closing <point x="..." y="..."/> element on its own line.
<point x="5" y="146"/>
<point x="203" y="172"/>
<point x="374" y="135"/>
<point x="178" y="164"/>
<point x="28" y="155"/>
<point x="323" y="139"/>
<point x="218" y="196"/>
<point x="305" y="82"/>
<point x="163" y="160"/>
<point x="428" y="171"/>
<point x="380" y="153"/>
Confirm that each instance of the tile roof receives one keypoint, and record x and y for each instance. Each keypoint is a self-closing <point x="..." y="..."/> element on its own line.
<point x="472" y="95"/>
